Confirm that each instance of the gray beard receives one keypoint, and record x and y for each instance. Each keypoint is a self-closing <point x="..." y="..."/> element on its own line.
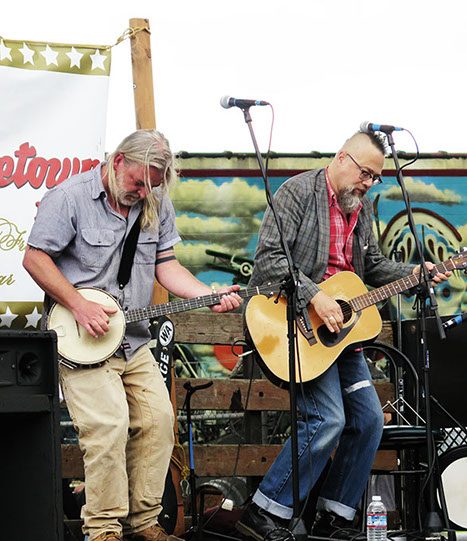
<point x="127" y="200"/>
<point x="348" y="201"/>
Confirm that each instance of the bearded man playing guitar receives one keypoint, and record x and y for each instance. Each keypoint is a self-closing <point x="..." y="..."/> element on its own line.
<point x="327" y="223"/>
<point x="120" y="407"/>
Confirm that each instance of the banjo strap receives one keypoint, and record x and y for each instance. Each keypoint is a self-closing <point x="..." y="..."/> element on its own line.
<point x="128" y="253"/>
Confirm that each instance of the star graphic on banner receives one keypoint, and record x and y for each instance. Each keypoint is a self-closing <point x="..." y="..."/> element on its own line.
<point x="7" y="318"/>
<point x="50" y="56"/>
<point x="75" y="58"/>
<point x="98" y="60"/>
<point x="4" y="51"/>
<point x="28" y="54"/>
<point x="33" y="318"/>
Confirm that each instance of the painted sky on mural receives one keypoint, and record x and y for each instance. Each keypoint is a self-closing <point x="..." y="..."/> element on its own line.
<point x="218" y="218"/>
<point x="325" y="65"/>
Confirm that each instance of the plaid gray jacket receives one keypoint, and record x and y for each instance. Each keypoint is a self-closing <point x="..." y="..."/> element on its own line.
<point x="303" y="207"/>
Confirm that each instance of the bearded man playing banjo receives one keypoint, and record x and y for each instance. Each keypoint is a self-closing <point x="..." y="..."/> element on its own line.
<point x="121" y="407"/>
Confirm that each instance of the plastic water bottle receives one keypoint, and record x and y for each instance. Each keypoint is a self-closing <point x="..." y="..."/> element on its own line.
<point x="376" y="520"/>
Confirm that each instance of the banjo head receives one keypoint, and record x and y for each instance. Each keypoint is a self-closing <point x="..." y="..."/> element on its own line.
<point x="74" y="343"/>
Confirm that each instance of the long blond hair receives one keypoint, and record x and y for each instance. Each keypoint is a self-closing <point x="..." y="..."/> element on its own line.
<point x="151" y="149"/>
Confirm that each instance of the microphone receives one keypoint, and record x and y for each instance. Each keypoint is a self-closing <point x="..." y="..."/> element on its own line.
<point x="227" y="102"/>
<point x="455" y="321"/>
<point x="367" y="127"/>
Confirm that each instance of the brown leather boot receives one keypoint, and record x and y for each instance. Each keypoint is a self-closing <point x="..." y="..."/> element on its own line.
<point x="153" y="533"/>
<point x="109" y="536"/>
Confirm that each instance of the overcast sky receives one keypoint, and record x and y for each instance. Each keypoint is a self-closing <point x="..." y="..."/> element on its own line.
<point x="325" y="66"/>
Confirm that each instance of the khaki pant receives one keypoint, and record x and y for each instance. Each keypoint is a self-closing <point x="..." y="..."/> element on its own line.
<point x="124" y="418"/>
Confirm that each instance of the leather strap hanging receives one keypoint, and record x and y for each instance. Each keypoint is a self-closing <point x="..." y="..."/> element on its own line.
<point x="128" y="253"/>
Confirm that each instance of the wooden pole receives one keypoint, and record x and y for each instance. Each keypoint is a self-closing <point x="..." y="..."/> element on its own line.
<point x="144" y="100"/>
<point x="142" y="75"/>
<point x="146" y="119"/>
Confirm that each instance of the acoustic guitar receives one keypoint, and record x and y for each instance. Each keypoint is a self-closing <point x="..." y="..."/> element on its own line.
<point x="266" y="320"/>
<point x="76" y="347"/>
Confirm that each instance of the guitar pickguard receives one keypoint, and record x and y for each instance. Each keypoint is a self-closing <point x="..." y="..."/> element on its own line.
<point x="330" y="339"/>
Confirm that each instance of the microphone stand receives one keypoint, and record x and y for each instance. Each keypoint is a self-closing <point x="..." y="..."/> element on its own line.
<point x="190" y="390"/>
<point x="433" y="521"/>
<point x="295" y="304"/>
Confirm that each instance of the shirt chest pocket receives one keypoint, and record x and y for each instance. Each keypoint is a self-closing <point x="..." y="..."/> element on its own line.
<point x="146" y="250"/>
<point x="98" y="247"/>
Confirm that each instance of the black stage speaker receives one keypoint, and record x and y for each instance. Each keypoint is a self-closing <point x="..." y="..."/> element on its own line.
<point x="30" y="459"/>
<point x="448" y="367"/>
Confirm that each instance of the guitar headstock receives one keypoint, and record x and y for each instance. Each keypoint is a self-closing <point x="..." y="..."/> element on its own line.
<point x="460" y="260"/>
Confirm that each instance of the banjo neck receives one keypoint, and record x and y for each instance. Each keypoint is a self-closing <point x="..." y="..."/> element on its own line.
<point x="184" y="305"/>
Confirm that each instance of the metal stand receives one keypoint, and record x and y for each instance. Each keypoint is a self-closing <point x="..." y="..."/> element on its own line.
<point x="190" y="390"/>
<point x="195" y="533"/>
<point x="433" y="522"/>
<point x="295" y="304"/>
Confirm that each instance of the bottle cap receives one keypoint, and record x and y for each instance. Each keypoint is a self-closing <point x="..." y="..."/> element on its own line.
<point x="376" y="498"/>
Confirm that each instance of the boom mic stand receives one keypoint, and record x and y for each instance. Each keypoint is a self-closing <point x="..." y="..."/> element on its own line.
<point x="190" y="390"/>
<point x="433" y="522"/>
<point x="198" y="531"/>
<point x="295" y="304"/>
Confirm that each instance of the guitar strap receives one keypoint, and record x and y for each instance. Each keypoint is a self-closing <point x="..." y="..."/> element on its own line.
<point x="128" y="253"/>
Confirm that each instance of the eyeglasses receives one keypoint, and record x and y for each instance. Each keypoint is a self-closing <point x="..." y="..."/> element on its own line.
<point x="366" y="175"/>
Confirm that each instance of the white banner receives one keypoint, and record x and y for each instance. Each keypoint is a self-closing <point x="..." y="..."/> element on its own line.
<point x="53" y="103"/>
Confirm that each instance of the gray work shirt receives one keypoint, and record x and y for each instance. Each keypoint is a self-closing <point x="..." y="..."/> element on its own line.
<point x="84" y="236"/>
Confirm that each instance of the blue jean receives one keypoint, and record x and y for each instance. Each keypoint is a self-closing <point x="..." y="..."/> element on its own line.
<point x="343" y="411"/>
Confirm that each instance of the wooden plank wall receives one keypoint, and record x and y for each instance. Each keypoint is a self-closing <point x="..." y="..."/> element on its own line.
<point x="218" y="460"/>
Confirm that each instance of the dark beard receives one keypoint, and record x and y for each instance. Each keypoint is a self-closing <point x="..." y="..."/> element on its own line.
<point x="348" y="200"/>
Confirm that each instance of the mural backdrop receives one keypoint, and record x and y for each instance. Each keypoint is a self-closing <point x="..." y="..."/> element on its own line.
<point x="220" y="205"/>
<point x="218" y="218"/>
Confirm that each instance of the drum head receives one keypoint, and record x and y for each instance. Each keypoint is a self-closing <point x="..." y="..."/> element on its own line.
<point x="75" y="343"/>
<point x="453" y="467"/>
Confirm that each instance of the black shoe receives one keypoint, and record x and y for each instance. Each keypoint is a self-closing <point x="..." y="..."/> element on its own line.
<point x="328" y="524"/>
<point x="258" y="523"/>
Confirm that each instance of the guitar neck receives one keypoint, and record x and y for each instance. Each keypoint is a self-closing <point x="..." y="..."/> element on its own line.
<point x="184" y="305"/>
<point x="394" y="288"/>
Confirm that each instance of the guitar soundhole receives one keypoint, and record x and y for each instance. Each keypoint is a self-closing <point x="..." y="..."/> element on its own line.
<point x="346" y="309"/>
<point x="330" y="339"/>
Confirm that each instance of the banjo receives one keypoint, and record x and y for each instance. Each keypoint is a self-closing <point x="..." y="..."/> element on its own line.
<point x="76" y="347"/>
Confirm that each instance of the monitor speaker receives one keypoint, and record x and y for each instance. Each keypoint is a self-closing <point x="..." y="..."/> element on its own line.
<point x="448" y="367"/>
<point x="30" y="459"/>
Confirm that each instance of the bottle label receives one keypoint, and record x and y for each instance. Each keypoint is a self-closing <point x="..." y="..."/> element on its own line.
<point x="377" y="520"/>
